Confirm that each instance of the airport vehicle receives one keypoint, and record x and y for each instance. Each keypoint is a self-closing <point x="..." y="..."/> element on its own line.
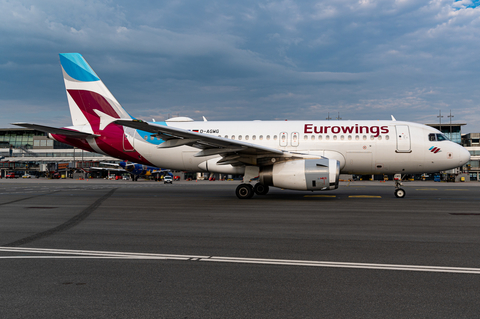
<point x="136" y="170"/>
<point x="168" y="179"/>
<point x="11" y="175"/>
<point x="26" y="176"/>
<point x="300" y="155"/>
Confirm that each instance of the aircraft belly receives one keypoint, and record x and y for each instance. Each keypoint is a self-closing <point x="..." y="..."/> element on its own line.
<point x="190" y="162"/>
<point x="358" y="162"/>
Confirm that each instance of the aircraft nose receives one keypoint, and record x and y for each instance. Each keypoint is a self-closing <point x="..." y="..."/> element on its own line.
<point x="464" y="156"/>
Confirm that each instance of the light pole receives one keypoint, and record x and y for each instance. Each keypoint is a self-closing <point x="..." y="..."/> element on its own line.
<point x="440" y="117"/>
<point x="450" y="116"/>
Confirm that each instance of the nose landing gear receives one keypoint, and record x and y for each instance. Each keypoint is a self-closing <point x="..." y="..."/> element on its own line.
<point x="399" y="192"/>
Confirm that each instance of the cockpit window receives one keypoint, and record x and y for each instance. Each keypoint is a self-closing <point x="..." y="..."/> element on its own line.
<point x="437" y="137"/>
<point x="441" y="137"/>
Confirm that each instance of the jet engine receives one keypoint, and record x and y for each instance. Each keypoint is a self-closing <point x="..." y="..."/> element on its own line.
<point x="305" y="174"/>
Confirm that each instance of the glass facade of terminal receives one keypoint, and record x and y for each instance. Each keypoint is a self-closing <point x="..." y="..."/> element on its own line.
<point x="454" y="136"/>
<point x="18" y="138"/>
<point x="24" y="138"/>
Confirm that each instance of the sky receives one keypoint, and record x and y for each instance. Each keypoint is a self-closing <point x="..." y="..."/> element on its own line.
<point x="248" y="60"/>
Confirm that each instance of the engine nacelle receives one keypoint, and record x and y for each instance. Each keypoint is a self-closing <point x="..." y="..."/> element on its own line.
<point x="307" y="174"/>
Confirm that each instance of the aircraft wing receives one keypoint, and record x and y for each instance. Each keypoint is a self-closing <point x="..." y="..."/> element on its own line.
<point x="209" y="144"/>
<point x="54" y="130"/>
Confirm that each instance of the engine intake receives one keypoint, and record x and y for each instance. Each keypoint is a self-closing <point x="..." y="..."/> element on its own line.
<point x="307" y="174"/>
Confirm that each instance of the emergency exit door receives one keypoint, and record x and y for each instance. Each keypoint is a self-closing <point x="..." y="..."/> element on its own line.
<point x="295" y="137"/>
<point x="283" y="139"/>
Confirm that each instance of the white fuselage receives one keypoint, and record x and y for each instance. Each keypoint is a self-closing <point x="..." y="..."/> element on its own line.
<point x="361" y="147"/>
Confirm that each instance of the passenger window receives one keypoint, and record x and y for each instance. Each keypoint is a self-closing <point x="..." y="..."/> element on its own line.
<point x="431" y="137"/>
<point x="372" y="137"/>
<point x="334" y="137"/>
<point x="379" y="137"/>
<point x="342" y="137"/>
<point x="246" y="137"/>
<point x="313" y="137"/>
<point x="305" y="137"/>
<point x="254" y="137"/>
<point x="260" y="137"/>
<point x="275" y="137"/>
<point x="349" y="137"/>
<point x="364" y="137"/>
<point x="268" y="137"/>
<point x="357" y="137"/>
<point x="319" y="137"/>
<point x="233" y="137"/>
<point x="239" y="137"/>
<point x="387" y="137"/>
<point x="327" y="137"/>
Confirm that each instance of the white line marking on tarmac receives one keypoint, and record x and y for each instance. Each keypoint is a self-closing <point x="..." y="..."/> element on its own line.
<point x="88" y="254"/>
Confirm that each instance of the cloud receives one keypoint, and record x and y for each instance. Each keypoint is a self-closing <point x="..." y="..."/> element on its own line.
<point x="248" y="60"/>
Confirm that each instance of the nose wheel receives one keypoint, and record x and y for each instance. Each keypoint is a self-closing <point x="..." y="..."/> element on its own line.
<point x="399" y="192"/>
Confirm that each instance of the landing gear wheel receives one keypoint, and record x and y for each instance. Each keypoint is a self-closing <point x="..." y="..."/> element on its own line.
<point x="400" y="193"/>
<point x="261" y="189"/>
<point x="244" y="191"/>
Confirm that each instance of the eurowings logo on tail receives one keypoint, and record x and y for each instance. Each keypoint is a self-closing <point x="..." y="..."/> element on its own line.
<point x="434" y="149"/>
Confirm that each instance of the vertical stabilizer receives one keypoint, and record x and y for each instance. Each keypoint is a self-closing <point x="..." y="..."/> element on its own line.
<point x="87" y="95"/>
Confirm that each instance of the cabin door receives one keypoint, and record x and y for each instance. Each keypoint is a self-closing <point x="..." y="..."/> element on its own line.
<point x="403" y="139"/>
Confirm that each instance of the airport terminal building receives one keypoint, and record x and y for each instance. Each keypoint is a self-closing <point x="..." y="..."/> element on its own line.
<point x="26" y="150"/>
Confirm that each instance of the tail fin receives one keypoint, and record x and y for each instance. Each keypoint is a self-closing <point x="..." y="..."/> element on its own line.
<point x="91" y="103"/>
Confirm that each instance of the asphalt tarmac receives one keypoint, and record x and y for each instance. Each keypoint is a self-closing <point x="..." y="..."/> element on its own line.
<point x="122" y="249"/>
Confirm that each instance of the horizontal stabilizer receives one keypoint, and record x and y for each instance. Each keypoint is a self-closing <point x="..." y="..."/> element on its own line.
<point x="55" y="130"/>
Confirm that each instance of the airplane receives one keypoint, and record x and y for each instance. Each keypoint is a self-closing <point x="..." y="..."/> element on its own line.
<point x="303" y="155"/>
<point x="136" y="170"/>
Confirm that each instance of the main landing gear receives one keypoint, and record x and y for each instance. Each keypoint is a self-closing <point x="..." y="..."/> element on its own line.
<point x="399" y="192"/>
<point x="246" y="191"/>
<point x="261" y="189"/>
